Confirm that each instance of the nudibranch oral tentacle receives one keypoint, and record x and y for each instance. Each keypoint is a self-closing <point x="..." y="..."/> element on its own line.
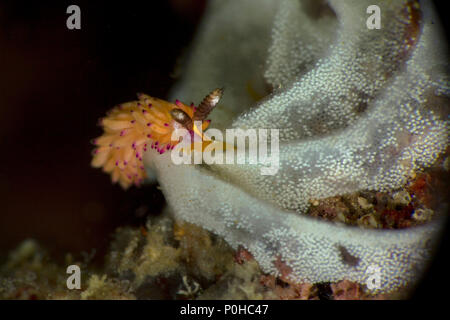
<point x="130" y="129"/>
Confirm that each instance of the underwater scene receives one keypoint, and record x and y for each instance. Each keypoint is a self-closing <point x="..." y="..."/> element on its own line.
<point x="224" y="150"/>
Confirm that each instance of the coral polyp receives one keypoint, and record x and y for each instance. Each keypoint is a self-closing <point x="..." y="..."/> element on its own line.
<point x="133" y="127"/>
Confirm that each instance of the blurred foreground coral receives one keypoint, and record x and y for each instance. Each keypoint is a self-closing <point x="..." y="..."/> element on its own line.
<point x="165" y="259"/>
<point x="169" y="259"/>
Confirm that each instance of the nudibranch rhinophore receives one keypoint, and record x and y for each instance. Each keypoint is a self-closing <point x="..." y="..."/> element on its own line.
<point x="133" y="127"/>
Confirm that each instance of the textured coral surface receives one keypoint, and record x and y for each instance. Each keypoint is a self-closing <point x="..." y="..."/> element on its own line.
<point x="358" y="110"/>
<point x="161" y="260"/>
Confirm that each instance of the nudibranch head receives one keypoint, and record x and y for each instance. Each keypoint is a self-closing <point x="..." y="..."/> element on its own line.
<point x="133" y="127"/>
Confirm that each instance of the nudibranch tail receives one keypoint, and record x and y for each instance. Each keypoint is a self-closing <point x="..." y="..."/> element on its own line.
<point x="130" y="129"/>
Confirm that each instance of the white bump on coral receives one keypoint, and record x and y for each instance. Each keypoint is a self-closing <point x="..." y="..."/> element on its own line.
<point x="357" y="109"/>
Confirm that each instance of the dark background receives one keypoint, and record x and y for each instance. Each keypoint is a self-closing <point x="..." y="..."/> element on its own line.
<point x="54" y="85"/>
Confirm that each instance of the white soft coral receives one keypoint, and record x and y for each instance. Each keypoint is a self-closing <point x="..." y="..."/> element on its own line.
<point x="356" y="109"/>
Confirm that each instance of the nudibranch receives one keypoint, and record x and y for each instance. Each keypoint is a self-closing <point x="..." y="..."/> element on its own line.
<point x="133" y="127"/>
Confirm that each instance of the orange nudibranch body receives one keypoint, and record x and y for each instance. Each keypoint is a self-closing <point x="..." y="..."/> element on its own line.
<point x="129" y="130"/>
